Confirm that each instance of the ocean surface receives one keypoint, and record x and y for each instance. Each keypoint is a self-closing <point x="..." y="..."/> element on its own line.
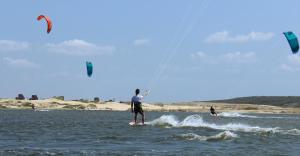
<point x="26" y="132"/>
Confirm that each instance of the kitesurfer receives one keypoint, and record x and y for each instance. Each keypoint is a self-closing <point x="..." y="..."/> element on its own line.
<point x="212" y="111"/>
<point x="136" y="101"/>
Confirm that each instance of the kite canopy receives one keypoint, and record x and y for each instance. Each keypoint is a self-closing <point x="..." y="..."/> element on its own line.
<point x="49" y="22"/>
<point x="293" y="41"/>
<point x="89" y="68"/>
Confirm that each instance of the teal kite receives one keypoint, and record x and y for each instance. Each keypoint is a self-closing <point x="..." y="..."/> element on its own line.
<point x="89" y="68"/>
<point x="293" y="41"/>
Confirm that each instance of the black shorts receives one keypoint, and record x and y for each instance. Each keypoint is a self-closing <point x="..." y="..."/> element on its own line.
<point x="138" y="108"/>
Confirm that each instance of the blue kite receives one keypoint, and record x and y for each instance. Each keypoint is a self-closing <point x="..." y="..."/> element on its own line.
<point x="89" y="68"/>
<point x="293" y="41"/>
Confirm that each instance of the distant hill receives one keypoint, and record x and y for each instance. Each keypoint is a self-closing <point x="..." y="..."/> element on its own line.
<point x="282" y="101"/>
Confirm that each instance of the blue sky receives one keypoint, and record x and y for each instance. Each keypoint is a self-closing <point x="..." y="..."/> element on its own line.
<point x="180" y="50"/>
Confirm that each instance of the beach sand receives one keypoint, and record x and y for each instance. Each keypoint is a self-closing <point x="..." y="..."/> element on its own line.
<point x="55" y="104"/>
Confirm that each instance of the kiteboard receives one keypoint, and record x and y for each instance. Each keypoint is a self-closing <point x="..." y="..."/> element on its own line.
<point x="132" y="123"/>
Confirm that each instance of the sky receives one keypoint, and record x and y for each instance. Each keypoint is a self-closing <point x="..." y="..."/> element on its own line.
<point x="179" y="50"/>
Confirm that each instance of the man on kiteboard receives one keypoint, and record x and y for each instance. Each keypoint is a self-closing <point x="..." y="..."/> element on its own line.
<point x="136" y="101"/>
<point x="212" y="111"/>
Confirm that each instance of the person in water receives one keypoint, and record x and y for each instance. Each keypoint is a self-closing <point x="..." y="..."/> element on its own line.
<point x="212" y="111"/>
<point x="136" y="101"/>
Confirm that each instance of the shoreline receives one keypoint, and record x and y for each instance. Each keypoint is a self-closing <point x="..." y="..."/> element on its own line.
<point x="55" y="104"/>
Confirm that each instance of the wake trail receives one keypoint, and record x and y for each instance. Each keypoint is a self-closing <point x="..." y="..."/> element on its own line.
<point x="226" y="135"/>
<point x="170" y="121"/>
<point x="240" y="115"/>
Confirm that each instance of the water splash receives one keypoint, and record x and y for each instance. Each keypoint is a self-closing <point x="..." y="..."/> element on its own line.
<point x="240" y="115"/>
<point x="197" y="121"/>
<point x="234" y="114"/>
<point x="290" y="131"/>
<point x="41" y="110"/>
<point x="226" y="135"/>
<point x="164" y="120"/>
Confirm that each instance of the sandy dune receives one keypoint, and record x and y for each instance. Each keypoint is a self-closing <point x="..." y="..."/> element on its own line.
<point x="116" y="106"/>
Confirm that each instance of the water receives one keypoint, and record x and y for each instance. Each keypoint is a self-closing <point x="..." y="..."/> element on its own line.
<point x="25" y="132"/>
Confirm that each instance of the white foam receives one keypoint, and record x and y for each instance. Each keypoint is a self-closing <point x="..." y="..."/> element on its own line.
<point x="226" y="135"/>
<point x="41" y="110"/>
<point x="164" y="120"/>
<point x="197" y="121"/>
<point x="279" y="117"/>
<point x="234" y="114"/>
<point x="290" y="131"/>
<point x="192" y="121"/>
<point x="240" y="115"/>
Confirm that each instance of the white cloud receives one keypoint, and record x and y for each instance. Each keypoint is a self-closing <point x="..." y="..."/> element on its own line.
<point x="204" y="58"/>
<point x="238" y="57"/>
<point x="20" y="63"/>
<point x="199" y="55"/>
<point x="8" y="45"/>
<point x="79" y="48"/>
<point x="141" y="42"/>
<point x="292" y="64"/>
<point x="225" y="37"/>
<point x="294" y="59"/>
<point x="231" y="57"/>
<point x="287" y="68"/>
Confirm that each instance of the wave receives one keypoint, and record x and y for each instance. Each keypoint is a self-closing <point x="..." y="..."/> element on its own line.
<point x="290" y="131"/>
<point x="234" y="114"/>
<point x="41" y="110"/>
<point x="226" y="135"/>
<point x="197" y="121"/>
<point x="164" y="120"/>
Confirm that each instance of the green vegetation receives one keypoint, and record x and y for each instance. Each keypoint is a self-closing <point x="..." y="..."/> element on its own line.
<point x="26" y="104"/>
<point x="74" y="107"/>
<point x="92" y="106"/>
<point x="282" y="101"/>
